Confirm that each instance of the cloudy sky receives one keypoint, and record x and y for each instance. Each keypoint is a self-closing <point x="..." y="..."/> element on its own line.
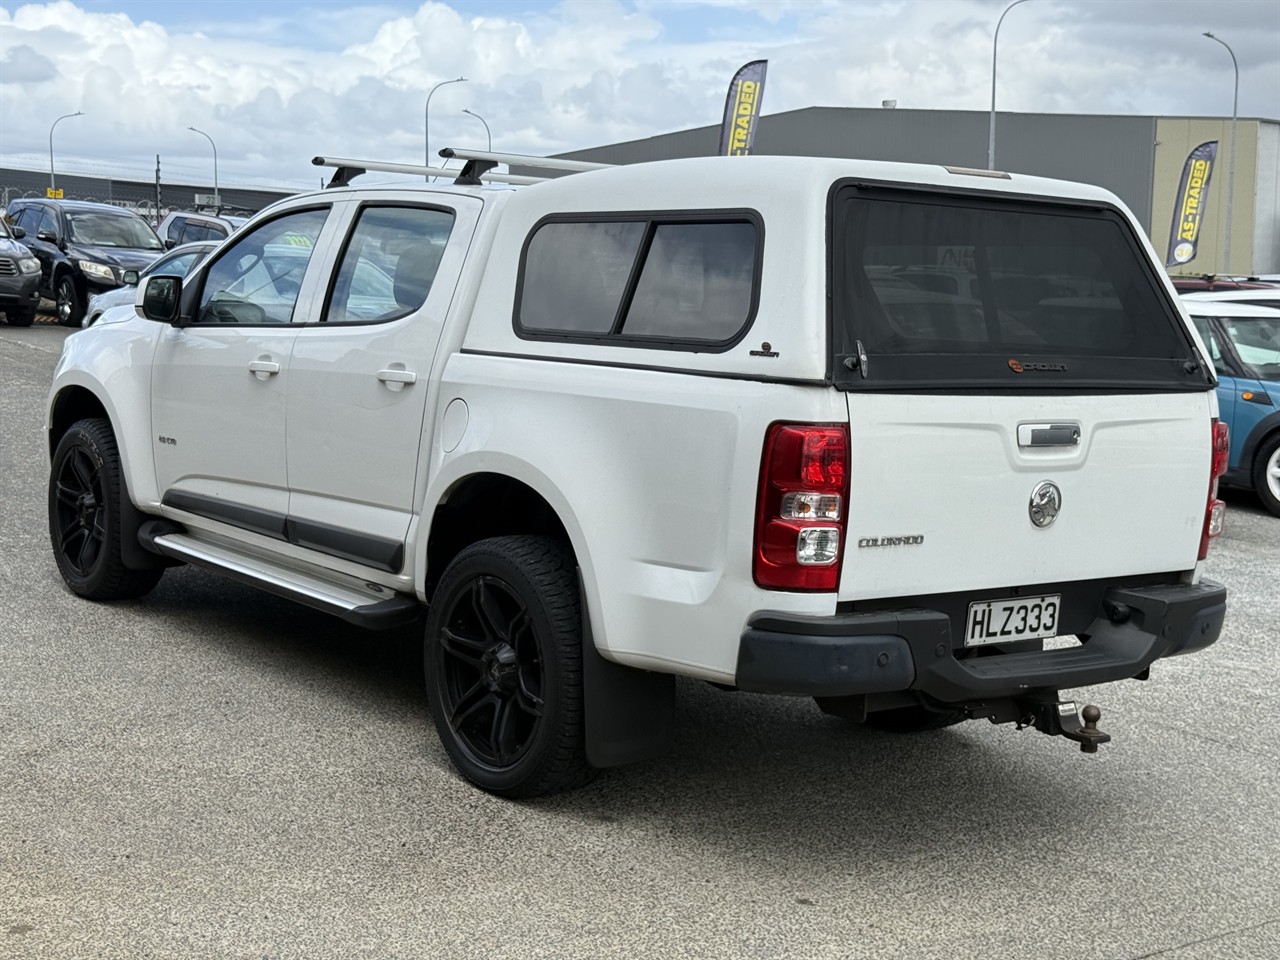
<point x="274" y="82"/>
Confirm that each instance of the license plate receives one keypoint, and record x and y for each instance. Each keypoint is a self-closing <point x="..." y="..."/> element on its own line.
<point x="1019" y="618"/>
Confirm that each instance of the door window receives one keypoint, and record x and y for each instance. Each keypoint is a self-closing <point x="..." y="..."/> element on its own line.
<point x="258" y="278"/>
<point x="389" y="265"/>
<point x="1205" y="329"/>
<point x="49" y="222"/>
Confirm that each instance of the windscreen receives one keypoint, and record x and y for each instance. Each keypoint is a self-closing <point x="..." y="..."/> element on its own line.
<point x="976" y="292"/>
<point x="112" y="230"/>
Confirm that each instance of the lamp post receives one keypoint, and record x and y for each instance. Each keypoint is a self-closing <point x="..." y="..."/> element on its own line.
<point x="426" y="119"/>
<point x="488" y="135"/>
<point x="79" y="113"/>
<point x="217" y="200"/>
<point x="1231" y="163"/>
<point x="991" y="125"/>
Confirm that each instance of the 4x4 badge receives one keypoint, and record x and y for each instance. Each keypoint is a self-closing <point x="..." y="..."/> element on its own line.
<point x="1046" y="501"/>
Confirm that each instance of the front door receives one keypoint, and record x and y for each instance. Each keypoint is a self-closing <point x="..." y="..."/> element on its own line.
<point x="359" y="378"/>
<point x="219" y="382"/>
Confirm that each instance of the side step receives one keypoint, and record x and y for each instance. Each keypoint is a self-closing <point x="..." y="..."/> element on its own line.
<point x="352" y="601"/>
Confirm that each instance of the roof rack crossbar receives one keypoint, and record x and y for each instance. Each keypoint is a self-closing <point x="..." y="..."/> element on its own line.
<point x="347" y="170"/>
<point x="519" y="160"/>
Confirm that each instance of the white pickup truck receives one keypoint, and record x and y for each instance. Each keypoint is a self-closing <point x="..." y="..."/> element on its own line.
<point x="927" y="444"/>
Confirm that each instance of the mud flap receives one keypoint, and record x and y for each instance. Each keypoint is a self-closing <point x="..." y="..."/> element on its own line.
<point x="628" y="713"/>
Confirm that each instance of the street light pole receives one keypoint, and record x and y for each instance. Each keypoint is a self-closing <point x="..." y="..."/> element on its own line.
<point x="488" y="135"/>
<point x="1231" y="163"/>
<point x="217" y="200"/>
<point x="78" y="113"/>
<point x="991" y="125"/>
<point x="426" y="120"/>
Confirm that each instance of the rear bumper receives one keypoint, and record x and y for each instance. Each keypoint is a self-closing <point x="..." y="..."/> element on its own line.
<point x="914" y="649"/>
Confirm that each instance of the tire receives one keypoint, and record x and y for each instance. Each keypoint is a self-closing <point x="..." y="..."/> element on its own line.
<point x="69" y="306"/>
<point x="914" y="719"/>
<point x="1266" y="473"/>
<point x="84" y="516"/>
<point x="503" y="662"/>
<point x="20" y="316"/>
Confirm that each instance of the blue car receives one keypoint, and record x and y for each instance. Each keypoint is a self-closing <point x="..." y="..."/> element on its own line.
<point x="1244" y="342"/>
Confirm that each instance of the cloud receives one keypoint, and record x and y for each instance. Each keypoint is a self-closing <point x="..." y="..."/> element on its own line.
<point x="23" y="65"/>
<point x="274" y="84"/>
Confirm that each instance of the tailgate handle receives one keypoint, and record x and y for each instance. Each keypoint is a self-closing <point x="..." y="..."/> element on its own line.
<point x="1048" y="434"/>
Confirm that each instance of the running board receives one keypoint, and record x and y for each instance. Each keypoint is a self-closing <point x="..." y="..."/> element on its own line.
<point x="355" y="604"/>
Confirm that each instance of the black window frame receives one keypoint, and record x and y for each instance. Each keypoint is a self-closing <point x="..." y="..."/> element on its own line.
<point x="331" y="286"/>
<point x="847" y="371"/>
<point x="652" y="219"/>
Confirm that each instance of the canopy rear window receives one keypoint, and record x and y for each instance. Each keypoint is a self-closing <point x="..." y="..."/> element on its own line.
<point x="940" y="291"/>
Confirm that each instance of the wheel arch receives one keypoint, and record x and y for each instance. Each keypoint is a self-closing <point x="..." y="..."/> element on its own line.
<point x="481" y="505"/>
<point x="1261" y="432"/>
<point x="71" y="403"/>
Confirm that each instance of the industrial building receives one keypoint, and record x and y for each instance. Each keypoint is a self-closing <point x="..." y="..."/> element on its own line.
<point x="1138" y="158"/>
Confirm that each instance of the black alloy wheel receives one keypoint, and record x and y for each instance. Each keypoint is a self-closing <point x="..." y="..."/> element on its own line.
<point x="67" y="299"/>
<point x="503" y="660"/>
<point x="84" y="516"/>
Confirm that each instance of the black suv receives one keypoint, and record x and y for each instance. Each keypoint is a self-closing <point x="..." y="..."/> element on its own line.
<point x="83" y="248"/>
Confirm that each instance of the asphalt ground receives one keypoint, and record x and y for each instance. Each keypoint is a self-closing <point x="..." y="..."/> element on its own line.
<point x="215" y="772"/>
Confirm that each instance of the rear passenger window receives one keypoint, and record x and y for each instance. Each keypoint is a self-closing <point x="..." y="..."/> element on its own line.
<point x="389" y="265"/>
<point x="659" y="281"/>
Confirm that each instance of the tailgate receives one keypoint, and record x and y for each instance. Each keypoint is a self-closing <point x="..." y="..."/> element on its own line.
<point x="941" y="489"/>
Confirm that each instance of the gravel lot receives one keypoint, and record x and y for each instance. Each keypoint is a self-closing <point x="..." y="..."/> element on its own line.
<point x="214" y="772"/>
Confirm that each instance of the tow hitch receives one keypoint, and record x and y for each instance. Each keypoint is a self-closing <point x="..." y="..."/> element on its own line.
<point x="1059" y="718"/>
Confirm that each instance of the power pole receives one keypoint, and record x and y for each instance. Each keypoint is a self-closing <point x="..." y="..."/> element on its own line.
<point x="159" y="216"/>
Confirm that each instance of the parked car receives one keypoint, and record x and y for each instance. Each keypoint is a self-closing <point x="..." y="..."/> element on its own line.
<point x="1244" y="342"/>
<point x="1210" y="282"/>
<point x="186" y="226"/>
<point x="178" y="262"/>
<point x="671" y="419"/>
<point x="1261" y="297"/>
<point x="84" y="248"/>
<point x="19" y="277"/>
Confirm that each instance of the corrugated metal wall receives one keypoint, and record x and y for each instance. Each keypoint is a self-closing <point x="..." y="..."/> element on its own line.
<point x="16" y="184"/>
<point x="1113" y="152"/>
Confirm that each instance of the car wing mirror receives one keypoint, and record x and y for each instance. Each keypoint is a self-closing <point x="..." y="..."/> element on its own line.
<point x="48" y="236"/>
<point x="17" y="231"/>
<point x="170" y="243"/>
<point x="158" y="298"/>
<point x="130" y="278"/>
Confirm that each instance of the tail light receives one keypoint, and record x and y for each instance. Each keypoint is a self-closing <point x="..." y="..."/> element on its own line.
<point x="802" y="506"/>
<point x="1215" y="510"/>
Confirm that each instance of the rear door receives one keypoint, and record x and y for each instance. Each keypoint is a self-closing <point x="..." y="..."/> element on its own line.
<point x="1047" y="420"/>
<point x="360" y="377"/>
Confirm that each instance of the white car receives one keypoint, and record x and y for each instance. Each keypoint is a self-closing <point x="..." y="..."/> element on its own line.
<point x="681" y="418"/>
<point x="178" y="262"/>
<point x="1256" y="297"/>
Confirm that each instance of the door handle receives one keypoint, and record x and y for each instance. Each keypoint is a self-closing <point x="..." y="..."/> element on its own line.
<point x="264" y="368"/>
<point x="396" y="379"/>
<point x="1048" y="434"/>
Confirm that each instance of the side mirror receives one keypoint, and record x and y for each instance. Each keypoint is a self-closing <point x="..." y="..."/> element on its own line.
<point x="170" y="243"/>
<point x="130" y="278"/>
<point x="158" y="298"/>
<point x="17" y="231"/>
<point x="48" y="236"/>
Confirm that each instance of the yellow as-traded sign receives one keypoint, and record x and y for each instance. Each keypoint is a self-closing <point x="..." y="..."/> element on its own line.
<point x="746" y="104"/>
<point x="1193" y="199"/>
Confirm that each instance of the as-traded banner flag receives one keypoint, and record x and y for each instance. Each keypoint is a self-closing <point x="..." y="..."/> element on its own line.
<point x="742" y="109"/>
<point x="1188" y="210"/>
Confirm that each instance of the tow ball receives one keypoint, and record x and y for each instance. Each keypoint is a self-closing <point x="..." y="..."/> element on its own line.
<point x="1061" y="719"/>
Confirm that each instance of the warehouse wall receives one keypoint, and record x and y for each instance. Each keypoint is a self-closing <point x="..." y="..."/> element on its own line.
<point x="1113" y="152"/>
